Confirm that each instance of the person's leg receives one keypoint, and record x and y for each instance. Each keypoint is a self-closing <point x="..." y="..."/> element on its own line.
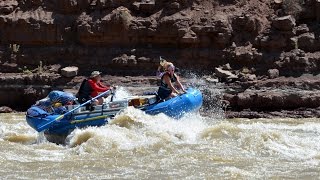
<point x="173" y="95"/>
<point x="164" y="93"/>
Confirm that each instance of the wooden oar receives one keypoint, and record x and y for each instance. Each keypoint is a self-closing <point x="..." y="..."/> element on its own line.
<point x="46" y="125"/>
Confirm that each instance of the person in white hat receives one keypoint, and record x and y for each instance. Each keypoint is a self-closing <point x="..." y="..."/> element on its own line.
<point x="91" y="87"/>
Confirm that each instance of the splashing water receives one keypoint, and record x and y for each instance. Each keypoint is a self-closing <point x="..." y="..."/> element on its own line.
<point x="121" y="93"/>
<point x="135" y="145"/>
<point x="211" y="93"/>
<point x="141" y="130"/>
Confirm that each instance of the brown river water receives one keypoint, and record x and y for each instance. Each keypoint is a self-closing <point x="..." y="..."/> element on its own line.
<point x="139" y="146"/>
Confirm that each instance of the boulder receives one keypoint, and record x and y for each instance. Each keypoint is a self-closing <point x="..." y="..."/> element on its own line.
<point x="273" y="73"/>
<point x="5" y="109"/>
<point x="246" y="23"/>
<point x="307" y="42"/>
<point x="226" y="67"/>
<point x="8" y="6"/>
<point x="121" y="17"/>
<point x="302" y="28"/>
<point x="226" y="75"/>
<point x="278" y="1"/>
<point x="284" y="23"/>
<point x="70" y="71"/>
<point x="273" y="42"/>
<point x="175" y="5"/>
<point x="247" y="77"/>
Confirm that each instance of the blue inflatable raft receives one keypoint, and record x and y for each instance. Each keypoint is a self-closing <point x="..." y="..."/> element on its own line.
<point x="78" y="116"/>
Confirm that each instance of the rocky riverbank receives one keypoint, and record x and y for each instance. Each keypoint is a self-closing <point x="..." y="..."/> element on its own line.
<point x="252" y="58"/>
<point x="266" y="98"/>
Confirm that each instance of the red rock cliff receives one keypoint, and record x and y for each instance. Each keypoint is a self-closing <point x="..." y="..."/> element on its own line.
<point x="127" y="37"/>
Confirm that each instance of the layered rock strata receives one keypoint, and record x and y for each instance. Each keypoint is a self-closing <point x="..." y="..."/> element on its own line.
<point x="256" y="42"/>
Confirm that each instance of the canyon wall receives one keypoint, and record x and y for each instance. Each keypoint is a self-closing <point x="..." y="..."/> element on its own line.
<point x="254" y="39"/>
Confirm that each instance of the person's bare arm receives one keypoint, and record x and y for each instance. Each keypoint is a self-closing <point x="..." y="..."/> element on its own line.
<point x="179" y="84"/>
<point x="167" y="81"/>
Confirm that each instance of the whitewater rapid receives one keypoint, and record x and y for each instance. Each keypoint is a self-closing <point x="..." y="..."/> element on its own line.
<point x="135" y="145"/>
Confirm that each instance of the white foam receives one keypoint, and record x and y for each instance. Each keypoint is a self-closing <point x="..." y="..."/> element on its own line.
<point x="138" y="130"/>
<point x="292" y="142"/>
<point x="121" y="93"/>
